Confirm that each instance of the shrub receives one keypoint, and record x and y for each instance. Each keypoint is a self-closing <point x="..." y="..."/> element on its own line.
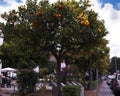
<point x="27" y="80"/>
<point x="71" y="91"/>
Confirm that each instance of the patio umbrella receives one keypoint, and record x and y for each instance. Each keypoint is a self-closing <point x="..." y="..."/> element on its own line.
<point x="8" y="69"/>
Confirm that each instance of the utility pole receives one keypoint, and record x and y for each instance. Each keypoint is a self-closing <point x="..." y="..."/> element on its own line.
<point x="97" y="78"/>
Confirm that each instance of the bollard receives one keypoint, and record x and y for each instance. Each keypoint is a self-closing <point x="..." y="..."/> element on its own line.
<point x="82" y="89"/>
<point x="54" y="89"/>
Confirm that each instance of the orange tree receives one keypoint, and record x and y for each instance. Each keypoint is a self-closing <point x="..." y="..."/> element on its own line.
<point x="100" y="60"/>
<point x="41" y="28"/>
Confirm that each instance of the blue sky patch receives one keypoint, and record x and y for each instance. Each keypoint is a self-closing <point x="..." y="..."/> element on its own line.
<point x="19" y="1"/>
<point x="3" y="3"/>
<point x="115" y="3"/>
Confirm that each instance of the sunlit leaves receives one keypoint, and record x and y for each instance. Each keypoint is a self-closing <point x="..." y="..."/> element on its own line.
<point x="39" y="27"/>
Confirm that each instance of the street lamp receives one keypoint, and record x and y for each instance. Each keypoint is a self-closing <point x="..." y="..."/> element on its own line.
<point x="91" y="75"/>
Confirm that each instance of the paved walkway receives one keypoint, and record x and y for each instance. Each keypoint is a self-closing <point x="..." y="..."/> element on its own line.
<point x="105" y="90"/>
<point x="7" y="91"/>
<point x="4" y="92"/>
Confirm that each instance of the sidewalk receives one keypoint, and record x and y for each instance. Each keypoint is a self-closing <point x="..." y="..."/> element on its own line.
<point x="105" y="90"/>
<point x="6" y="91"/>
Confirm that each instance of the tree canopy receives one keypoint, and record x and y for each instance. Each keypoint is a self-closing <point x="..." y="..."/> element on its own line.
<point x="37" y="30"/>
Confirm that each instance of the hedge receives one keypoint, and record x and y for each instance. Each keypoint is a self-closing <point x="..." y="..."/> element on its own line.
<point x="71" y="90"/>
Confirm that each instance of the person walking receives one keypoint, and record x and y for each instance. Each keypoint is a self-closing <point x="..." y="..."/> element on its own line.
<point x="8" y="82"/>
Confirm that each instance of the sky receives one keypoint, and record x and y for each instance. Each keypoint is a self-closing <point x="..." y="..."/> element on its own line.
<point x="108" y="10"/>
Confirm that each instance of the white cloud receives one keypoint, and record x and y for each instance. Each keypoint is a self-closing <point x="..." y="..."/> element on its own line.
<point x="112" y="22"/>
<point x="11" y="4"/>
<point x="107" y="12"/>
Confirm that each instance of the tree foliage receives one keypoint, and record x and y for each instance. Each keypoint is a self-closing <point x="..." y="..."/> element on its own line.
<point x="38" y="29"/>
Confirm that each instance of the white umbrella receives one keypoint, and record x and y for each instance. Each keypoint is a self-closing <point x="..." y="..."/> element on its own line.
<point x="8" y="69"/>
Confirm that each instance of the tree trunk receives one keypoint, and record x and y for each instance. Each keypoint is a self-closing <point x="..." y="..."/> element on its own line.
<point x="59" y="77"/>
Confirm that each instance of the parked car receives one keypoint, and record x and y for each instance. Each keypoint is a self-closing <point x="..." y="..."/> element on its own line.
<point x="111" y="84"/>
<point x="109" y="79"/>
<point x="116" y="85"/>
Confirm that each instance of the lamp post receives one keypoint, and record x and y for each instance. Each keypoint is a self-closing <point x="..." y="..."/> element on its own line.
<point x="91" y="75"/>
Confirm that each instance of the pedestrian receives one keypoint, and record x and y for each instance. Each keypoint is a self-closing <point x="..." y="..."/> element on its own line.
<point x="8" y="82"/>
<point x="3" y="81"/>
